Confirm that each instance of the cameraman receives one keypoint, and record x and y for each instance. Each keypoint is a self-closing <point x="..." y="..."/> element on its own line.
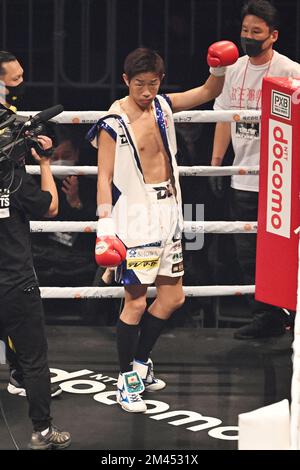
<point x="11" y="91"/>
<point x="21" y="315"/>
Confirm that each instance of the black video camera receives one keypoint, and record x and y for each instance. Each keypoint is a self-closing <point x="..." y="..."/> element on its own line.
<point x="18" y="134"/>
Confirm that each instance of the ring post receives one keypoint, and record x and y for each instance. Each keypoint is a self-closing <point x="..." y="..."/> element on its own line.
<point x="271" y="428"/>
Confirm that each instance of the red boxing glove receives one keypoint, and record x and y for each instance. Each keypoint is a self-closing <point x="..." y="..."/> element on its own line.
<point x="109" y="250"/>
<point x="219" y="55"/>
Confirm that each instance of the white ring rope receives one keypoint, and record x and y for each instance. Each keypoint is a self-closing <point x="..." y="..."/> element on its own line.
<point x="218" y="170"/>
<point x="118" y="292"/>
<point x="90" y="117"/>
<point x="183" y="170"/>
<point x="189" y="227"/>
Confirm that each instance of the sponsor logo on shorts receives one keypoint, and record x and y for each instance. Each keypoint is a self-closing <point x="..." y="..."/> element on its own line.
<point x="157" y="244"/>
<point x="177" y="268"/>
<point x="163" y="192"/>
<point x="131" y="253"/>
<point x="141" y="253"/>
<point x="142" y="264"/>
<point x="281" y="104"/>
<point x="177" y="257"/>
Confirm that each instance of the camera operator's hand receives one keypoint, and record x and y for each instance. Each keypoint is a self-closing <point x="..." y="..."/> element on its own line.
<point x="46" y="143"/>
<point x="47" y="180"/>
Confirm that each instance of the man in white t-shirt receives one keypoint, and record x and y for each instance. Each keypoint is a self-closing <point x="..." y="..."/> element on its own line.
<point x="242" y="90"/>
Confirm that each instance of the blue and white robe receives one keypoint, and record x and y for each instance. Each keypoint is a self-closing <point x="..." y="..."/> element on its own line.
<point x="132" y="211"/>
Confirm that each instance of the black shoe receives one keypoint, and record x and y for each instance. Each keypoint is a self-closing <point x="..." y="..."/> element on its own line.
<point x="55" y="390"/>
<point x="16" y="387"/>
<point x="264" y="325"/>
<point x="54" y="439"/>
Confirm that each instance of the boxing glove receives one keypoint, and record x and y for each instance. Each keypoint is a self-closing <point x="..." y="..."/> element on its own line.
<point x="109" y="250"/>
<point x="219" y="55"/>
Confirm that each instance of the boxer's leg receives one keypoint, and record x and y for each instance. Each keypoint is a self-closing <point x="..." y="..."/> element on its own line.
<point x="129" y="384"/>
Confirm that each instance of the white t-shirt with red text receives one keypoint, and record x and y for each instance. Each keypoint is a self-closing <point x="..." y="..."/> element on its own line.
<point x="242" y="90"/>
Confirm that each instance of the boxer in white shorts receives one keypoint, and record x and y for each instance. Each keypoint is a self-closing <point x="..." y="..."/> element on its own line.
<point x="136" y="157"/>
<point x="162" y="258"/>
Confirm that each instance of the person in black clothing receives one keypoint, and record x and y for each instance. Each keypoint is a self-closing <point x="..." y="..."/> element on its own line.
<point x="21" y="315"/>
<point x="11" y="92"/>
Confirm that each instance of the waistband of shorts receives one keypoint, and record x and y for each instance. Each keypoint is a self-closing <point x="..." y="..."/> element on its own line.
<point x="154" y="186"/>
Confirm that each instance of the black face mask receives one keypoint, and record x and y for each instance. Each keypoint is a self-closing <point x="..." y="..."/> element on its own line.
<point x="252" y="47"/>
<point x="15" y="93"/>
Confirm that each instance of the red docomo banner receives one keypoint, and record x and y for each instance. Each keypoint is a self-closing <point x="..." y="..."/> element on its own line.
<point x="279" y="179"/>
<point x="279" y="189"/>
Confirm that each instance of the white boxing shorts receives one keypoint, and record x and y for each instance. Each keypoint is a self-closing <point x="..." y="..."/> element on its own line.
<point x="164" y="257"/>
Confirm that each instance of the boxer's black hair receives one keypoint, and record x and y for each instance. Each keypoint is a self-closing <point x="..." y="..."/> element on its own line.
<point x="143" y="60"/>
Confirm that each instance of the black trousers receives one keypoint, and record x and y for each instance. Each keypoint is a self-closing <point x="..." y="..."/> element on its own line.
<point x="22" y="318"/>
<point x="243" y="205"/>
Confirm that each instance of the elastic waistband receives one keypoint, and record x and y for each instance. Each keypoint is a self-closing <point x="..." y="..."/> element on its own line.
<point x="163" y="184"/>
<point x="161" y="191"/>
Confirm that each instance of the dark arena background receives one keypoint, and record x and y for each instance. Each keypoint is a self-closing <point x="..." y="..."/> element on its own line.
<point x="72" y="53"/>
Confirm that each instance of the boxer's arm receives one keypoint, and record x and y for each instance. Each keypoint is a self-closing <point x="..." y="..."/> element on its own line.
<point x="197" y="96"/>
<point x="109" y="250"/>
<point x="220" y="54"/>
<point x="106" y="159"/>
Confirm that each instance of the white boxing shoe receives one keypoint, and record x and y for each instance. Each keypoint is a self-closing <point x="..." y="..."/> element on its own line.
<point x="145" y="371"/>
<point x="130" y="385"/>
